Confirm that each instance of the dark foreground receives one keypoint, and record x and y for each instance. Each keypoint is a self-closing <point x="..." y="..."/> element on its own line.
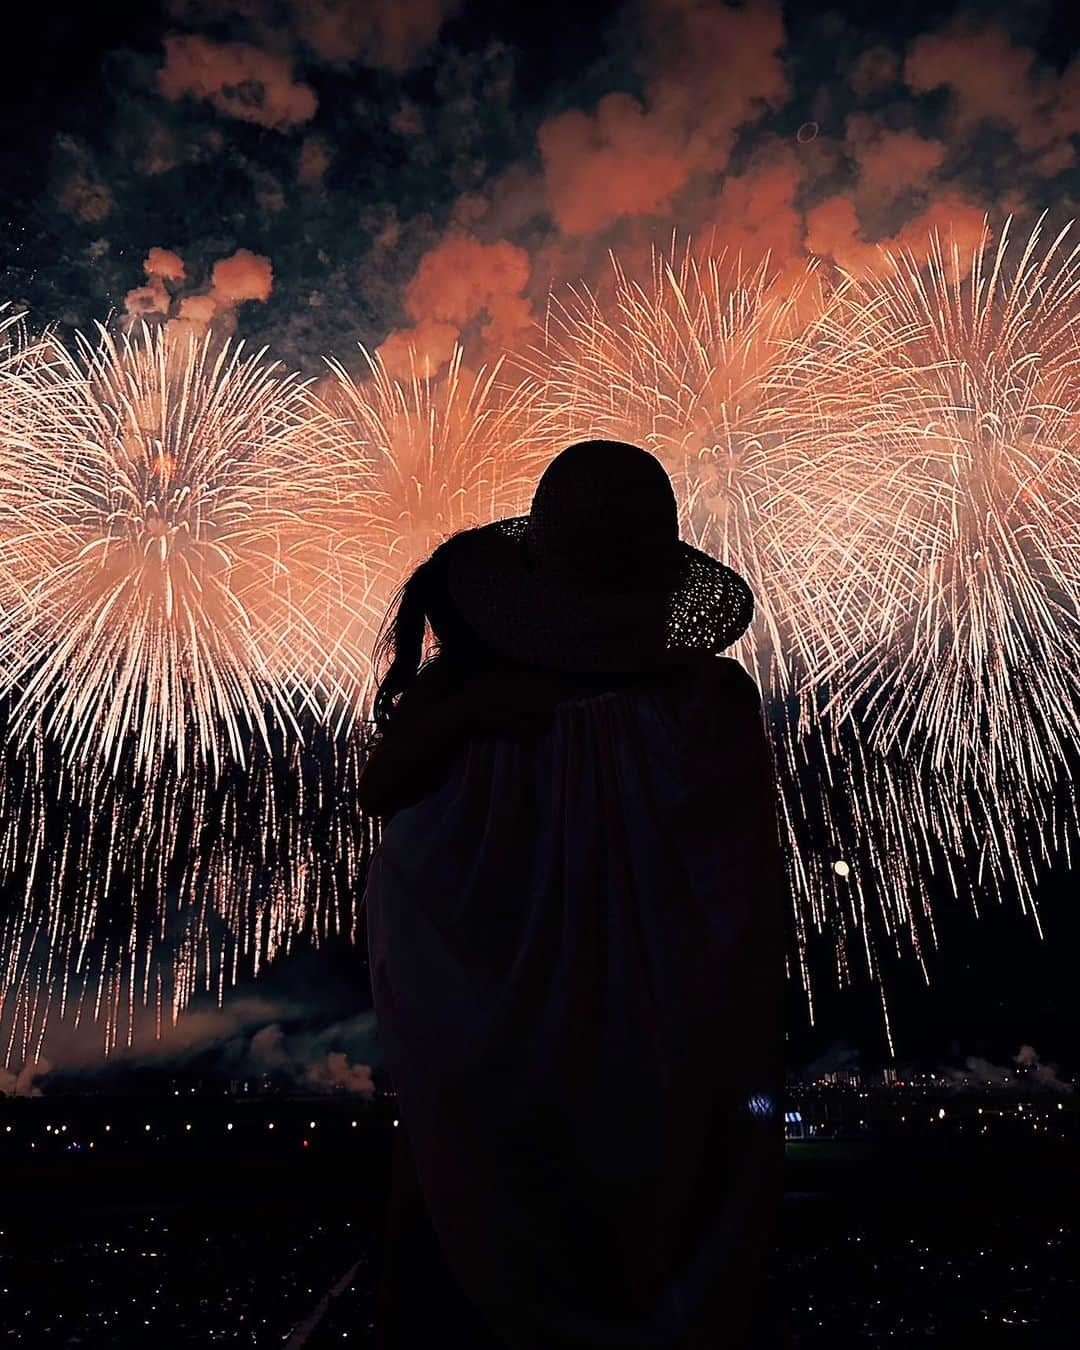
<point x="884" y="1243"/>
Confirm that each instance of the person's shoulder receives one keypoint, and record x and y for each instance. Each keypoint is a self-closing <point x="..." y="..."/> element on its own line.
<point x="724" y="675"/>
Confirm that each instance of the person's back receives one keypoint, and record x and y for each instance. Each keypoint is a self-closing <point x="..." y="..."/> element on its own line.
<point x="575" y="920"/>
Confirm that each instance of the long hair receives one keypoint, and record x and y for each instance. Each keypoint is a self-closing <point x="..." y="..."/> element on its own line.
<point x="399" y="647"/>
<point x="420" y="603"/>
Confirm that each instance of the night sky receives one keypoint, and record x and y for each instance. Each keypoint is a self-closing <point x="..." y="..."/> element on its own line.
<point x="426" y="165"/>
<point x="311" y="176"/>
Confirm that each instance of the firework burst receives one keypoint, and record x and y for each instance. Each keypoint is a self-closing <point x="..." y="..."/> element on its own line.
<point x="947" y="468"/>
<point x="435" y="457"/>
<point x="169" y="506"/>
<point x="946" y="454"/>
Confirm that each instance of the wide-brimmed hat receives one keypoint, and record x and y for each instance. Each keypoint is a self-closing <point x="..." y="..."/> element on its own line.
<point x="595" y="576"/>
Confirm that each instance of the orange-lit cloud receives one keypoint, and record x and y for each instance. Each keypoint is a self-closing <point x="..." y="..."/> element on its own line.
<point x="889" y="162"/>
<point x="85" y="197"/>
<point x="244" y="276"/>
<point x="241" y="277"/>
<point x="313" y="163"/>
<point x="240" y="81"/>
<point x="681" y="144"/>
<point x="459" y="281"/>
<point x="873" y="69"/>
<point x="159" y="153"/>
<point x="993" y="80"/>
<point x="392" y="34"/>
<point x="615" y="162"/>
<point x="164" y="263"/>
<point x="198" y="309"/>
<point x="408" y="120"/>
<point x="834" y="232"/>
<point x="421" y="350"/>
<point x="714" y="69"/>
<point x="755" y="213"/>
<point x="161" y="265"/>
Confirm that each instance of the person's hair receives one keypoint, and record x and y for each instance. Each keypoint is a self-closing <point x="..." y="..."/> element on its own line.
<point x="399" y="647"/>
<point x="420" y="602"/>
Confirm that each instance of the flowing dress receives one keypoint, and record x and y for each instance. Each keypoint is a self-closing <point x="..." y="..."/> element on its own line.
<point x="576" y="940"/>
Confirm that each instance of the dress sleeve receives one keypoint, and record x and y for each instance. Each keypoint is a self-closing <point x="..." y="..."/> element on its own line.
<point x="434" y="720"/>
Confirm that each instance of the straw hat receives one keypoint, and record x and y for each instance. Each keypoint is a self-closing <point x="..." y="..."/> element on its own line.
<point x="595" y="576"/>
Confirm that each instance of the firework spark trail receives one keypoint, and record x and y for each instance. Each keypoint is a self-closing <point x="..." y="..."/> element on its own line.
<point x="167" y="511"/>
<point x="947" y="471"/>
<point x="128" y="889"/>
<point x="20" y="362"/>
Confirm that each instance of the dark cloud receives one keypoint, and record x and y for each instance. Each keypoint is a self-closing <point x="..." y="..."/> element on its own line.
<point x="1027" y="1072"/>
<point x="357" y="146"/>
<point x="838" y="1058"/>
<point x="284" y="1038"/>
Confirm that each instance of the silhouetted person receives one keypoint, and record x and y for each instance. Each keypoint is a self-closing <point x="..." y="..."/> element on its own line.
<point x="575" y="925"/>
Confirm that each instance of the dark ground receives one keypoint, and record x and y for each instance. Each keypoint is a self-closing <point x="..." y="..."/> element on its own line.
<point x="883" y="1244"/>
